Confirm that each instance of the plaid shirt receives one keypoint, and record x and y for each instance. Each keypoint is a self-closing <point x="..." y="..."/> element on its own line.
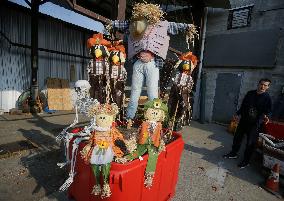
<point x="100" y="66"/>
<point x="115" y="71"/>
<point x="173" y="28"/>
<point x="183" y="80"/>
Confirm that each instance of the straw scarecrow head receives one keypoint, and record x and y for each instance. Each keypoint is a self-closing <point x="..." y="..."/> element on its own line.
<point x="98" y="46"/>
<point x="104" y="114"/>
<point x="155" y="110"/>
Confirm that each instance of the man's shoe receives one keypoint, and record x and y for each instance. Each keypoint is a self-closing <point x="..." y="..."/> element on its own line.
<point x="231" y="155"/>
<point x="243" y="164"/>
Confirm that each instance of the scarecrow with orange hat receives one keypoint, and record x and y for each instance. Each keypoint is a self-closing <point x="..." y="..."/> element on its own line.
<point x="117" y="73"/>
<point x="98" y="67"/>
<point x="180" y="95"/>
<point x="105" y="143"/>
<point x="148" y="44"/>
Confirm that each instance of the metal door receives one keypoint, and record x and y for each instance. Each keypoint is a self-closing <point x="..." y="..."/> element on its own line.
<point x="226" y="96"/>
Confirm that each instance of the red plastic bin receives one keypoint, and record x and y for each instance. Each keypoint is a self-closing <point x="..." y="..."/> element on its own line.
<point x="276" y="129"/>
<point x="127" y="180"/>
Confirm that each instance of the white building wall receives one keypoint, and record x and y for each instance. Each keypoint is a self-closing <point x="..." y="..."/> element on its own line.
<point x="15" y="67"/>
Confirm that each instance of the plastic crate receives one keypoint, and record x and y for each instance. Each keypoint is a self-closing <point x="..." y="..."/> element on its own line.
<point x="272" y="156"/>
<point x="127" y="180"/>
<point x="276" y="129"/>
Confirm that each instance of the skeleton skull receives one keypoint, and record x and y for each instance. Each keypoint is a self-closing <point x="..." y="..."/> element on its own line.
<point x="82" y="86"/>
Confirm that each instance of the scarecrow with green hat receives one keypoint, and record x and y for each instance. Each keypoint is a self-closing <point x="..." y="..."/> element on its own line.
<point x="149" y="137"/>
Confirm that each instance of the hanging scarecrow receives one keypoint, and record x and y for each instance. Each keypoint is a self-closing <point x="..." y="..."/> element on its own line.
<point x="98" y="67"/>
<point x="180" y="109"/>
<point x="148" y="44"/>
<point x="118" y="74"/>
<point x="104" y="144"/>
<point x="150" y="137"/>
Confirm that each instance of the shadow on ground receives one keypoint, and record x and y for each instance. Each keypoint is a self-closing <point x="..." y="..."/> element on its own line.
<point x="42" y="163"/>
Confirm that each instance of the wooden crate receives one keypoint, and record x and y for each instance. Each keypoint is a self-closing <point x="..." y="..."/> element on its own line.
<point x="58" y="94"/>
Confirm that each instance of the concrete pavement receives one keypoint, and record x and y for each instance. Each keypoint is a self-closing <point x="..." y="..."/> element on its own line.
<point x="203" y="174"/>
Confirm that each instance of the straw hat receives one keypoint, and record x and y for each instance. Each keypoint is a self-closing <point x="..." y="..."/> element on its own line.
<point x="110" y="109"/>
<point x="151" y="12"/>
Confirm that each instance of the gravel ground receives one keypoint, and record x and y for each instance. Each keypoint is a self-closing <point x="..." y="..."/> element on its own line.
<point x="203" y="174"/>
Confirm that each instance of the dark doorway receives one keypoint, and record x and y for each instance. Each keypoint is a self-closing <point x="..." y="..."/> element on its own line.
<point x="226" y="96"/>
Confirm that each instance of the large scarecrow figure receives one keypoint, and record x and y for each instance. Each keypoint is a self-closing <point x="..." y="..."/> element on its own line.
<point x="98" y="67"/>
<point x="104" y="144"/>
<point x="180" y="109"/>
<point x="148" y="44"/>
<point x="150" y="137"/>
<point x="118" y="74"/>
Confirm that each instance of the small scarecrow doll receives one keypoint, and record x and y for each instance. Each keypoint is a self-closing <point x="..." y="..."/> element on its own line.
<point x="105" y="143"/>
<point x="150" y="137"/>
<point x="180" y="110"/>
<point x="148" y="44"/>
<point x="118" y="74"/>
<point x="98" y="67"/>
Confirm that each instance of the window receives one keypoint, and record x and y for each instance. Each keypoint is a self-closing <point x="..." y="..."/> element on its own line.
<point x="239" y="17"/>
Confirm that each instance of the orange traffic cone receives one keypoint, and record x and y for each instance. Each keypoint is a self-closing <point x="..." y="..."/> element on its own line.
<point x="272" y="182"/>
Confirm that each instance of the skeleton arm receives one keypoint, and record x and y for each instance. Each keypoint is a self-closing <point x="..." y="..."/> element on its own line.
<point x="64" y="131"/>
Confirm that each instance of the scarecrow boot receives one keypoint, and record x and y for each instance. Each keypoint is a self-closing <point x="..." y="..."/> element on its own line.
<point x="106" y="191"/>
<point x="149" y="176"/>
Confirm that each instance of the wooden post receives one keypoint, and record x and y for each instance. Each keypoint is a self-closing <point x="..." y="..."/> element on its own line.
<point x="121" y="9"/>
<point x="34" y="54"/>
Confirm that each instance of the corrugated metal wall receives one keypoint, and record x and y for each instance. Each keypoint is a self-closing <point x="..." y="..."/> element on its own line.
<point x="15" y="68"/>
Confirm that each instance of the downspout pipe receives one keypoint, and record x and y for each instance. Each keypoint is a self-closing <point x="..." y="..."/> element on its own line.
<point x="197" y="100"/>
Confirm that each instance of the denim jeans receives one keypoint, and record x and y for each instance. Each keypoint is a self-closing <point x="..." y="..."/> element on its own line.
<point x="142" y="71"/>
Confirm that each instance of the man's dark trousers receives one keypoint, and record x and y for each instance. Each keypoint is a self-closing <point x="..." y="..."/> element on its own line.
<point x="251" y="131"/>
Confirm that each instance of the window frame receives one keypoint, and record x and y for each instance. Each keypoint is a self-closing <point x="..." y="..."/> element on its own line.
<point x="231" y="17"/>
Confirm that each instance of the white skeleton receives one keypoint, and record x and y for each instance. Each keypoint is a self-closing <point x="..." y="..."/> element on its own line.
<point x="82" y="105"/>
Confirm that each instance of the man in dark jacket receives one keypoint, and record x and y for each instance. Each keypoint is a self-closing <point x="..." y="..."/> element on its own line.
<point x="255" y="111"/>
